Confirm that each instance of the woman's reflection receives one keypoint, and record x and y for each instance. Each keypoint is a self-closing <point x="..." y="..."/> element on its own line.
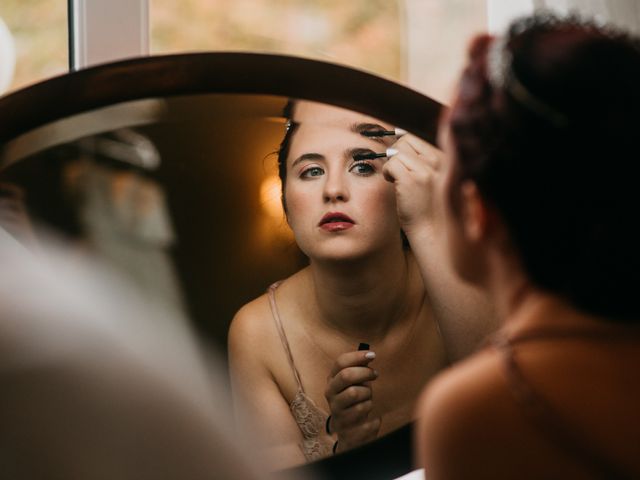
<point x="297" y="372"/>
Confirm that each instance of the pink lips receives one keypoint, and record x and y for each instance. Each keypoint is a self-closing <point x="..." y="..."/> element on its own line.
<point x="336" y="222"/>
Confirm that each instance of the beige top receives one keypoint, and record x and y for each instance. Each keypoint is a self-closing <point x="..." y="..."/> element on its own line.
<point x="310" y="418"/>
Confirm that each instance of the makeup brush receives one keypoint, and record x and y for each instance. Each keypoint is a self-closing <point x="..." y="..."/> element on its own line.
<point x="370" y="156"/>
<point x="383" y="133"/>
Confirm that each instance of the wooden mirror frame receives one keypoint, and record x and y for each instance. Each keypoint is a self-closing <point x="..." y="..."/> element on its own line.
<point x="239" y="73"/>
<point x="219" y="72"/>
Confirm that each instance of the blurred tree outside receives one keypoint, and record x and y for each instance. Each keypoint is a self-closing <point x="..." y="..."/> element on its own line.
<point x="39" y="30"/>
<point x="420" y="43"/>
<point x="361" y="33"/>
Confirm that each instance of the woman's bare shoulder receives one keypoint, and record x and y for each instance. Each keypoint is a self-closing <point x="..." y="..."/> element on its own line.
<point x="467" y="412"/>
<point x="471" y="384"/>
<point x="253" y="323"/>
<point x="251" y="326"/>
<point x="465" y="399"/>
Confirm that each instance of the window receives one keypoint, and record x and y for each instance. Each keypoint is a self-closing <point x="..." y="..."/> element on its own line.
<point x="420" y="43"/>
<point x="360" y="33"/>
<point x="39" y="32"/>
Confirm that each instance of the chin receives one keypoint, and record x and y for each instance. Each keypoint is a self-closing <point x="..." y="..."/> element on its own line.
<point x="343" y="248"/>
<point x="339" y="253"/>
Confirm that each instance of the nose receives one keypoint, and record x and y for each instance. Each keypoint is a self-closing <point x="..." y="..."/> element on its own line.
<point x="335" y="187"/>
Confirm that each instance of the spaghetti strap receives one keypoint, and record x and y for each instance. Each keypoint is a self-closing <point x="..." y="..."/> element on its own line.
<point x="311" y="420"/>
<point x="283" y="336"/>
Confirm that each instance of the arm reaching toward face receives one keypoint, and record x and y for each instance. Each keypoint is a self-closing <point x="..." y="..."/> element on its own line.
<point x="350" y="399"/>
<point x="418" y="171"/>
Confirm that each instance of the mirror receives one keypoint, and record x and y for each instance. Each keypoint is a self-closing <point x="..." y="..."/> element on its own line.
<point x="173" y="178"/>
<point x="179" y="193"/>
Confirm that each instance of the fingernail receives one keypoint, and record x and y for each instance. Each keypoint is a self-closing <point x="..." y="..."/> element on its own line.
<point x="370" y="355"/>
<point x="400" y="131"/>
<point x="391" y="152"/>
<point x="375" y="372"/>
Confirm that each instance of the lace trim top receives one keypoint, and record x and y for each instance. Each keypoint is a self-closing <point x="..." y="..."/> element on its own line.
<point x="541" y="413"/>
<point x="310" y="418"/>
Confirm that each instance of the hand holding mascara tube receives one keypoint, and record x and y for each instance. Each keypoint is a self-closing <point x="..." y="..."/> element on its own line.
<point x="350" y="399"/>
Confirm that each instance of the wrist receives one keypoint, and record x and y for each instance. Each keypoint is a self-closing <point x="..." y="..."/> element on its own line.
<point x="420" y="233"/>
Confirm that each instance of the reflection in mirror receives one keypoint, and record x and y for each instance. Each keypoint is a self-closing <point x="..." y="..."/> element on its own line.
<point x="183" y="195"/>
<point x="176" y="192"/>
<point x="335" y="355"/>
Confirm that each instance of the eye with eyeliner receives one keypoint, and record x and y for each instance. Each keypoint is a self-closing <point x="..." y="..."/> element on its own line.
<point x="360" y="154"/>
<point x="370" y="169"/>
<point x="311" y="171"/>
<point x="363" y="163"/>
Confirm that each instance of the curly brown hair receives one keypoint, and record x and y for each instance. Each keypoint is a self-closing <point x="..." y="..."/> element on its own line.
<point x="546" y="125"/>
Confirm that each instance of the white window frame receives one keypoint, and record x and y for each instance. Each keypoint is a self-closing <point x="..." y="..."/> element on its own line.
<point x="106" y="30"/>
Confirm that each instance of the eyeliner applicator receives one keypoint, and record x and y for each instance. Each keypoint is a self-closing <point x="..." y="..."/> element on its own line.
<point x="390" y="152"/>
<point x="398" y="132"/>
<point x="368" y="156"/>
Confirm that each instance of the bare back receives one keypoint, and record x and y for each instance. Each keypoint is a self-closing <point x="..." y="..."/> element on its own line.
<point x="547" y="406"/>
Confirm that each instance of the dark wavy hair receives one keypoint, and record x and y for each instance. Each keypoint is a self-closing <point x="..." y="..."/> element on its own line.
<point x="285" y="145"/>
<point x="546" y="125"/>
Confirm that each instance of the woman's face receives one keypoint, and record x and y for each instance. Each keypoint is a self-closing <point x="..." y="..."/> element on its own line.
<point x="339" y="208"/>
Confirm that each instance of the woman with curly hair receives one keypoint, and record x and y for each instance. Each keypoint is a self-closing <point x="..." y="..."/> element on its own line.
<point x="538" y="187"/>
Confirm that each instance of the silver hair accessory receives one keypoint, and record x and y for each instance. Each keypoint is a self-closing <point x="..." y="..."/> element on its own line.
<point x="501" y="76"/>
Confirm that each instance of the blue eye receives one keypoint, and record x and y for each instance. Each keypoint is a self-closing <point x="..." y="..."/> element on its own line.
<point x="312" y="172"/>
<point x="362" y="168"/>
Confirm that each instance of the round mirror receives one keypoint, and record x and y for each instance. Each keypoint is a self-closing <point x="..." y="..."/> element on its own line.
<point x="167" y="167"/>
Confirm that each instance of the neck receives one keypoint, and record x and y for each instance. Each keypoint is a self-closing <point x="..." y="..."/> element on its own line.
<point x="522" y="306"/>
<point x="361" y="299"/>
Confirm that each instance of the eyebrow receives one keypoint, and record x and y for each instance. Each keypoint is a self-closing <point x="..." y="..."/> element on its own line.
<point x="348" y="153"/>
<point x="307" y="156"/>
<point x="367" y="127"/>
<point x="351" y="152"/>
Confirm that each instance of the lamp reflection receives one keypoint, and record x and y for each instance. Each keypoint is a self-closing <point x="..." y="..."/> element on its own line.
<point x="275" y="228"/>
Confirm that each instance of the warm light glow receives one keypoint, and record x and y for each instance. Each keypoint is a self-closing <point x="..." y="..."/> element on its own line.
<point x="274" y="225"/>
<point x="270" y="197"/>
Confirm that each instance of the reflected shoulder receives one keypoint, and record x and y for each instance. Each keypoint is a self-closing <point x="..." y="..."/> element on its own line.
<point x="251" y="324"/>
<point x="253" y="327"/>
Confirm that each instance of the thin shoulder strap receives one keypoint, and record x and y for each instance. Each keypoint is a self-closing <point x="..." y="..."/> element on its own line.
<point x="547" y="420"/>
<point x="283" y="336"/>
